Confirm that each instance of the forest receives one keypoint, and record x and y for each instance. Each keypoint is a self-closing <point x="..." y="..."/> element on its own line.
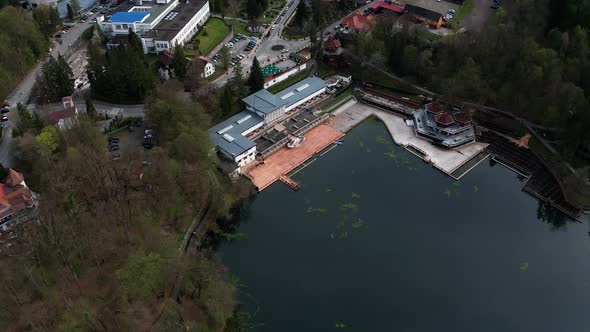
<point x="532" y="58"/>
<point x="105" y="253"/>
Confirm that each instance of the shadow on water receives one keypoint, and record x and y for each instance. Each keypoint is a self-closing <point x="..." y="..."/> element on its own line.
<point x="552" y="216"/>
<point x="226" y="227"/>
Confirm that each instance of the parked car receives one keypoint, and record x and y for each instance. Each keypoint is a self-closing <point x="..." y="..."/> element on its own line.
<point x="116" y="156"/>
<point x="4" y="118"/>
<point x="113" y="139"/>
<point x="5" y="104"/>
<point x="5" y="109"/>
<point x="247" y="49"/>
<point x="114" y="147"/>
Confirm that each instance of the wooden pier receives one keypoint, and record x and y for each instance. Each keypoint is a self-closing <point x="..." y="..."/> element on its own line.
<point x="290" y="182"/>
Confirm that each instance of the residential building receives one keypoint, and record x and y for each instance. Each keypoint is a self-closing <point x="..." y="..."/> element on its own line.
<point x="17" y="202"/>
<point x="432" y="18"/>
<point x="359" y="22"/>
<point x="445" y="124"/>
<point x="254" y="26"/>
<point x="65" y="118"/>
<point x="332" y="46"/>
<point x="207" y="67"/>
<point x="161" y="24"/>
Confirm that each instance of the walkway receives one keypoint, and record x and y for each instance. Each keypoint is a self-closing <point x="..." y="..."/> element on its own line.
<point x="446" y="160"/>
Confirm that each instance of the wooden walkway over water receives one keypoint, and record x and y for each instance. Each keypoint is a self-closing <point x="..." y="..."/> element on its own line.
<point x="290" y="182"/>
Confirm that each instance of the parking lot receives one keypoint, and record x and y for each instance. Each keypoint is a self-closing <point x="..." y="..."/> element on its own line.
<point x="239" y="48"/>
<point x="125" y="144"/>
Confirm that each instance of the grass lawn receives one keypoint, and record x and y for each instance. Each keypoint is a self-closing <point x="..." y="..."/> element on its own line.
<point x="331" y="102"/>
<point x="152" y="59"/>
<point x="240" y="27"/>
<point x="212" y="34"/>
<point x="290" y="81"/>
<point x="465" y="10"/>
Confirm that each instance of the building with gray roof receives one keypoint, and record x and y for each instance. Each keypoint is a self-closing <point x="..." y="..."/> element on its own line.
<point x="273" y="106"/>
<point x="229" y="137"/>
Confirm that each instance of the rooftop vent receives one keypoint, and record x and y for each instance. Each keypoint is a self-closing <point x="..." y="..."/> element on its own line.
<point x="228" y="138"/>
<point x="303" y="87"/>
<point x="240" y="121"/>
<point x="220" y="132"/>
<point x="287" y="95"/>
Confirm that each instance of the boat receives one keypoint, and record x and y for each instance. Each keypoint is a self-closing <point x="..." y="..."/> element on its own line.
<point x="295" y="141"/>
<point x="339" y="142"/>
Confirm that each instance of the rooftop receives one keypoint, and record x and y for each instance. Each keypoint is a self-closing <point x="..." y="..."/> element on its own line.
<point x="14" y="196"/>
<point x="129" y="17"/>
<point x="175" y="20"/>
<point x="54" y="117"/>
<point x="227" y="135"/>
<point x="265" y="102"/>
<point x="359" y="22"/>
<point x="423" y="12"/>
<point x="382" y="4"/>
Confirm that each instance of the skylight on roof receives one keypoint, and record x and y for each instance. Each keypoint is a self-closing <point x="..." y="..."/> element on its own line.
<point x="285" y="96"/>
<point x="240" y="121"/>
<point x="303" y="87"/>
<point x="228" y="137"/>
<point x="220" y="132"/>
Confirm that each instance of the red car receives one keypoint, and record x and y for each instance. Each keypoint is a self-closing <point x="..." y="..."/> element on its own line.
<point x="328" y="33"/>
<point x="247" y="49"/>
<point x="5" y="104"/>
<point x="4" y="118"/>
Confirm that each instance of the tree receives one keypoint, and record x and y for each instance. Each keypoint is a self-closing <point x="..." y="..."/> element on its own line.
<point x="49" y="138"/>
<point x="70" y="11"/>
<point x="252" y="9"/>
<point x="75" y="5"/>
<point x="225" y="57"/>
<point x="47" y="18"/>
<point x="256" y="79"/>
<point x="301" y="15"/>
<point x="179" y="62"/>
<point x="57" y="78"/>
<point x="90" y="109"/>
<point x="226" y="101"/>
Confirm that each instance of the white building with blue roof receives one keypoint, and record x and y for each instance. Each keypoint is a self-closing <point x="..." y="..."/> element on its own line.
<point x="229" y="137"/>
<point x="161" y="24"/>
<point x="273" y="106"/>
<point x="262" y="108"/>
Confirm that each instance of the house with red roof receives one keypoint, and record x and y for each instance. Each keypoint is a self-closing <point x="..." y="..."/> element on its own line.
<point x="332" y="46"/>
<point x="65" y="118"/>
<point x="17" y="202"/>
<point x="359" y="22"/>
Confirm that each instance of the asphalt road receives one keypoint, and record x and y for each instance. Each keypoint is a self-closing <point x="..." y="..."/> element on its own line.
<point x="22" y="92"/>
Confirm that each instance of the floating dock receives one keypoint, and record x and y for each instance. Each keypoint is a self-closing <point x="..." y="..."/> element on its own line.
<point x="285" y="160"/>
<point x="290" y="182"/>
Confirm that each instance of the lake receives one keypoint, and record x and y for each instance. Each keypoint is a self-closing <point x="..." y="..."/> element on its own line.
<point x="378" y="240"/>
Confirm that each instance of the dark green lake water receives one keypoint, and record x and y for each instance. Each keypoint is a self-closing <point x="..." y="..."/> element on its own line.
<point x="377" y="240"/>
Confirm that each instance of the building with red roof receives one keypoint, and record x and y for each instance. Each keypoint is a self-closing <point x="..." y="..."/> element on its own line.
<point x="17" y="202"/>
<point x="444" y="123"/>
<point x="359" y="22"/>
<point x="332" y="46"/>
<point x="382" y="5"/>
<point x="65" y="118"/>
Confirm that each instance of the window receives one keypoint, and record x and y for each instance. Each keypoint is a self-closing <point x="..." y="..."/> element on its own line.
<point x="125" y="26"/>
<point x="118" y="26"/>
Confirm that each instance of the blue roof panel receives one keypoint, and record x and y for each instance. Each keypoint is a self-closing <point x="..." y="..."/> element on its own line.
<point x="234" y="127"/>
<point x="128" y="17"/>
<point x="265" y="102"/>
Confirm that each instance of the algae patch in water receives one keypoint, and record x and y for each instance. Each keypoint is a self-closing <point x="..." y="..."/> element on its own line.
<point x="349" y="207"/>
<point x="355" y="195"/>
<point x="359" y="223"/>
